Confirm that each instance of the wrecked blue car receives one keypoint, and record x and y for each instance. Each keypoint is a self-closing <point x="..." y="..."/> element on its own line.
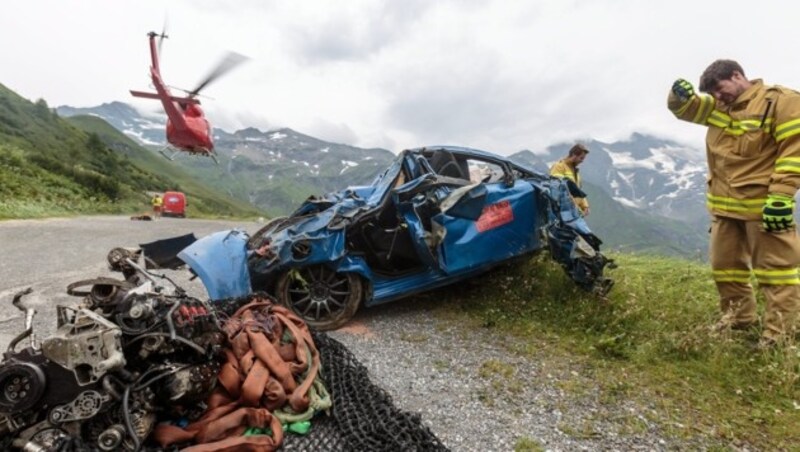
<point x="437" y="215"/>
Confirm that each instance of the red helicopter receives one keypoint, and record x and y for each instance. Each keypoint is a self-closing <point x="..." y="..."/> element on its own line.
<point x="187" y="128"/>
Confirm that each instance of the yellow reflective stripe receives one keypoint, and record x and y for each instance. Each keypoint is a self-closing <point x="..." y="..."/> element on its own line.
<point x="783" y="272"/>
<point x="719" y="119"/>
<point x="732" y="271"/>
<point x="564" y="176"/>
<point x="739" y="128"/>
<point x="706" y="104"/>
<point x="751" y="125"/>
<point x="786" y="277"/>
<point x="716" y="122"/>
<point x="735" y="205"/>
<point x="787" y="129"/>
<point x="788" y="165"/>
<point x="740" y="276"/>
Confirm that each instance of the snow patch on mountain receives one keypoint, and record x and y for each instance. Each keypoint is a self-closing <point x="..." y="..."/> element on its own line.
<point x="346" y="165"/>
<point x="140" y="137"/>
<point x="625" y="202"/>
<point x="661" y="160"/>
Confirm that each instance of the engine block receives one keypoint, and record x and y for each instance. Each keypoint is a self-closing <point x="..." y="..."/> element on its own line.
<point x="131" y="351"/>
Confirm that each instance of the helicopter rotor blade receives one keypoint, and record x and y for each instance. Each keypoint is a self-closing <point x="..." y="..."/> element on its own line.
<point x="163" y="34"/>
<point x="230" y="61"/>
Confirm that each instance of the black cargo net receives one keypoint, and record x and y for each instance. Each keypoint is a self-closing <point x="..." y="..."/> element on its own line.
<point x="364" y="418"/>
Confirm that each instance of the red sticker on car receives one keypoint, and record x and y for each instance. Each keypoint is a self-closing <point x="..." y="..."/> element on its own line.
<point x="494" y="216"/>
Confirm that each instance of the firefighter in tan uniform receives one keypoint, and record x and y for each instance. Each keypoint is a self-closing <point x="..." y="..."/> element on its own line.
<point x="753" y="151"/>
<point x="567" y="168"/>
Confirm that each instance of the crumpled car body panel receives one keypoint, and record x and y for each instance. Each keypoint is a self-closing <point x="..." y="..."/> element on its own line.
<point x="220" y="261"/>
<point x="423" y="223"/>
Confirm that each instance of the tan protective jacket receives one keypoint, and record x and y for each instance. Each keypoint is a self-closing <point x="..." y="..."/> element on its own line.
<point x="752" y="146"/>
<point x="563" y="170"/>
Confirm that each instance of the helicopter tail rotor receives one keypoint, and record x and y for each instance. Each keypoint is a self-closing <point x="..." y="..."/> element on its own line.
<point x="163" y="34"/>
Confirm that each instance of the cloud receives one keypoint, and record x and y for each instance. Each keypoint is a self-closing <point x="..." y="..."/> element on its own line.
<point x="329" y="131"/>
<point x="350" y="31"/>
<point x="501" y="75"/>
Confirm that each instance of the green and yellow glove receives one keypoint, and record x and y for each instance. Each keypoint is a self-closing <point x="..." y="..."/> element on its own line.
<point x="683" y="89"/>
<point x="778" y="213"/>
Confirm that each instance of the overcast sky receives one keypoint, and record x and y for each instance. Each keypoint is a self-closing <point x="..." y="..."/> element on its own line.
<point x="500" y="75"/>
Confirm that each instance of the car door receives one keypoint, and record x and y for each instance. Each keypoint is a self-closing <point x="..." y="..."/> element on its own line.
<point x="494" y="219"/>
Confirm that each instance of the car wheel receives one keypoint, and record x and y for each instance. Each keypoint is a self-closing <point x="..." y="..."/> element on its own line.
<point x="323" y="298"/>
<point x="256" y="240"/>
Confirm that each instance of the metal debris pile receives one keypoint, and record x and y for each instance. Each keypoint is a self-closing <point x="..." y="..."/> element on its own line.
<point x="140" y="365"/>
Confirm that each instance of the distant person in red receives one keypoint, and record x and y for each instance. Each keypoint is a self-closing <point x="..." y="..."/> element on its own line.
<point x="157" y="203"/>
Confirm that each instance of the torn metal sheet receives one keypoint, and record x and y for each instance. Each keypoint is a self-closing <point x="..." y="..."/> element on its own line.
<point x="435" y="216"/>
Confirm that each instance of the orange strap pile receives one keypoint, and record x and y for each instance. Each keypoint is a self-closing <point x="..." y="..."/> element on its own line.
<point x="263" y="372"/>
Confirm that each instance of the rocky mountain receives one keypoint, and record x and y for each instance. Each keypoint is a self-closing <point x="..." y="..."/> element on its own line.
<point x="126" y="119"/>
<point x="652" y="175"/>
<point x="647" y="193"/>
<point x="274" y="170"/>
<point x="278" y="169"/>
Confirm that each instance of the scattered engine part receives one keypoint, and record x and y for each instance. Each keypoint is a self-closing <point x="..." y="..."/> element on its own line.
<point x="89" y="346"/>
<point x="169" y="343"/>
<point x="131" y="351"/>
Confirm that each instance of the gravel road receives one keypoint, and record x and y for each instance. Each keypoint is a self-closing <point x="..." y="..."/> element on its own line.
<point x="468" y="385"/>
<point x="47" y="255"/>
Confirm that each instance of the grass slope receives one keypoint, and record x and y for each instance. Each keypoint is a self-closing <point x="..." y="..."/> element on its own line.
<point x="48" y="166"/>
<point x="204" y="200"/>
<point x="650" y="343"/>
<point x="627" y="230"/>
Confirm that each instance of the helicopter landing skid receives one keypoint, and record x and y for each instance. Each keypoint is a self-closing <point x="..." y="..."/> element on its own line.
<point x="171" y="157"/>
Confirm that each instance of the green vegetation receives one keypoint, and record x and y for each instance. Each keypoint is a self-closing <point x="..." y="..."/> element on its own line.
<point x="650" y="342"/>
<point x="628" y="230"/>
<point x="28" y="190"/>
<point x="528" y="445"/>
<point x="204" y="199"/>
<point x="50" y="167"/>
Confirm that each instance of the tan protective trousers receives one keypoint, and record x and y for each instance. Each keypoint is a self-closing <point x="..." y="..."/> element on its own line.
<point x="739" y="246"/>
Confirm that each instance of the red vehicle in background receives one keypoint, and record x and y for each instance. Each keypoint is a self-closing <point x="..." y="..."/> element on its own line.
<point x="174" y="204"/>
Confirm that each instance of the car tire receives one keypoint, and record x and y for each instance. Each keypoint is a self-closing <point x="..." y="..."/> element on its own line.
<point x="256" y="240"/>
<point x="323" y="298"/>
